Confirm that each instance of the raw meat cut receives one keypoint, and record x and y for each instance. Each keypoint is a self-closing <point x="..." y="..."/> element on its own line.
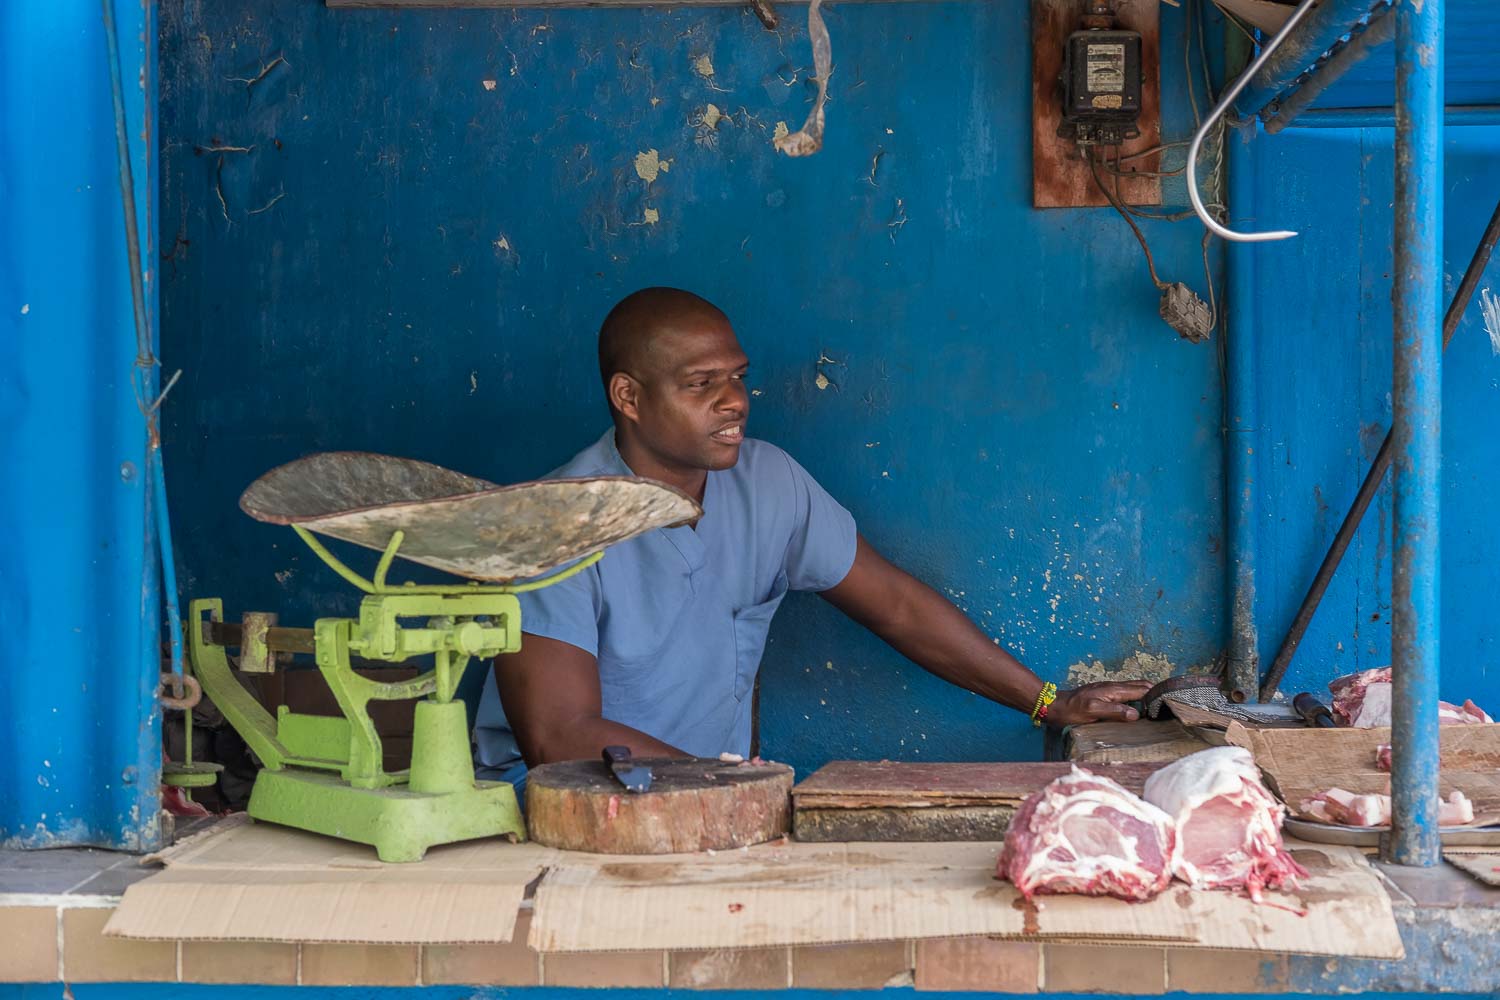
<point x="1467" y="714"/>
<point x="1363" y="700"/>
<point x="1383" y="757"/>
<point x="1085" y="834"/>
<point x="1228" y="824"/>
<point x="1345" y="808"/>
<point x="1348" y="809"/>
<point x="1355" y="704"/>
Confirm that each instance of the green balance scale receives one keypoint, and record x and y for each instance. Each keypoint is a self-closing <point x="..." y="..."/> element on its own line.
<point x="325" y="773"/>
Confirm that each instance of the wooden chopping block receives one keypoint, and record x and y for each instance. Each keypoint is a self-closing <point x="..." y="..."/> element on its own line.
<point x="692" y="806"/>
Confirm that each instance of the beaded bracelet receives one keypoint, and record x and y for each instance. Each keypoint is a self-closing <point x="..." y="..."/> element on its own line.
<point x="1044" y="700"/>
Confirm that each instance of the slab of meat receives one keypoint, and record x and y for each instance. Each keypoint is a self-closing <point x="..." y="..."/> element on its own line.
<point x="1344" y="808"/>
<point x="1467" y="714"/>
<point x="1383" y="757"/>
<point x="1085" y="834"/>
<point x="1228" y="824"/>
<point x="1363" y="700"/>
<point x="1355" y="704"/>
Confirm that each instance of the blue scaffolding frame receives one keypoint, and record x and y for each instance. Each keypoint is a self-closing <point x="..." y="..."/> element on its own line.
<point x="1332" y="38"/>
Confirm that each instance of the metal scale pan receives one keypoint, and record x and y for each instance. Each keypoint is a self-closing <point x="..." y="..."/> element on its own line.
<point x="459" y="524"/>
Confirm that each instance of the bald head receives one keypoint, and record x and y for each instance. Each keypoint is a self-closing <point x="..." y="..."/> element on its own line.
<point x="674" y="377"/>
<point x="640" y="320"/>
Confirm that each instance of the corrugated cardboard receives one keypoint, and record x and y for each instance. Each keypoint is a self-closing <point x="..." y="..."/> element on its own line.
<point x="256" y="882"/>
<point x="825" y="894"/>
<point x="1299" y="763"/>
<point x="1484" y="867"/>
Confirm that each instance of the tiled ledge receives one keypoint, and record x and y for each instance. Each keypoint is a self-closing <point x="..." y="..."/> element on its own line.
<point x="54" y="905"/>
<point x="61" y="939"/>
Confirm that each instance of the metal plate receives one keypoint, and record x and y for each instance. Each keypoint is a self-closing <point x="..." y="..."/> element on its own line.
<point x="460" y="524"/>
<point x="1369" y="836"/>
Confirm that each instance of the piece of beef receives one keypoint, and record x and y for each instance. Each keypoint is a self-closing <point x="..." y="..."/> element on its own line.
<point x="1363" y="700"/>
<point x="1228" y="823"/>
<point x="1383" y="757"/>
<point x="1344" y="808"/>
<point x="1467" y="714"/>
<point x="1351" y="692"/>
<point x="1348" y="809"/>
<point x="1084" y="834"/>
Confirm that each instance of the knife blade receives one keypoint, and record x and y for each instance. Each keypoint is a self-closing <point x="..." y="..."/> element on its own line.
<point x="635" y="777"/>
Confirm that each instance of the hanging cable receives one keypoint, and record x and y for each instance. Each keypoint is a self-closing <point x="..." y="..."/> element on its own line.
<point x="1140" y="236"/>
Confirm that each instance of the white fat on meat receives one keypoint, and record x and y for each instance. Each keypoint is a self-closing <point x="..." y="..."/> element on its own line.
<point x="1228" y="823"/>
<point x="1085" y="834"/>
<point x="1345" y="808"/>
<point x="1363" y="701"/>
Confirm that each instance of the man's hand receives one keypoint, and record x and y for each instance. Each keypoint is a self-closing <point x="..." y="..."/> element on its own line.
<point x="1100" y="702"/>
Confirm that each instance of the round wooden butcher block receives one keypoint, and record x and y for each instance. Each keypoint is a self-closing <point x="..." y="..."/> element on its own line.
<point x="692" y="805"/>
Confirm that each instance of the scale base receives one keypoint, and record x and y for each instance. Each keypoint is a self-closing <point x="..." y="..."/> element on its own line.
<point x="399" y="823"/>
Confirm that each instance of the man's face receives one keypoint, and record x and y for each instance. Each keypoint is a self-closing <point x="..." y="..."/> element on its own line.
<point x="692" y="403"/>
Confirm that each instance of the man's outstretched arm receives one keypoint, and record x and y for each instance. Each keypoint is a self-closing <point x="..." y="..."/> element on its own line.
<point x="926" y="628"/>
<point x="550" y="693"/>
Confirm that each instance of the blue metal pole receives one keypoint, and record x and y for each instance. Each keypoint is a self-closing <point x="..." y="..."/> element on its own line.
<point x="1418" y="276"/>
<point x="1242" y="410"/>
<point x="1318" y="32"/>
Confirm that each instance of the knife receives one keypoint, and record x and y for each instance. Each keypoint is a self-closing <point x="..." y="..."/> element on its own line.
<point x="1313" y="711"/>
<point x="635" y="777"/>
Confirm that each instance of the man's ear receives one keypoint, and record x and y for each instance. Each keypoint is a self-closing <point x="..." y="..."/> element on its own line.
<point x="624" y="395"/>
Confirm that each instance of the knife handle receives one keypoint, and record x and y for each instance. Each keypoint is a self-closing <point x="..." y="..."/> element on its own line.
<point x="616" y="755"/>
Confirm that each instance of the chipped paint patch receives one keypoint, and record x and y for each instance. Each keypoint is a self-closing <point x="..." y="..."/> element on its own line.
<point x="488" y="84"/>
<point x="25" y="308"/>
<point x="1141" y="666"/>
<point x="712" y="116"/>
<point x="1489" y="307"/>
<point x="651" y="216"/>
<point x="780" y="132"/>
<point x="704" y="67"/>
<point x="822" y="381"/>
<point x="649" y="165"/>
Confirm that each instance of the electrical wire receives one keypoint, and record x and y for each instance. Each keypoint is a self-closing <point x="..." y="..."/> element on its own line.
<point x="1234" y="20"/>
<point x="1187" y="61"/>
<point x="1159" y="148"/>
<point x="1140" y="236"/>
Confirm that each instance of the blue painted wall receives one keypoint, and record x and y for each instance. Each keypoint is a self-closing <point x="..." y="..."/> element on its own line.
<point x="408" y="261"/>
<point x="80" y="749"/>
<point x="1324" y="378"/>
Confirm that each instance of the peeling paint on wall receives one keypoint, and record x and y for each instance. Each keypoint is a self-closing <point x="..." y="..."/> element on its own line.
<point x="1141" y="666"/>
<point x="649" y="165"/>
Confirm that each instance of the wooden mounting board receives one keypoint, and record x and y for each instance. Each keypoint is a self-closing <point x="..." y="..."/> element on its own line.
<point x="1059" y="178"/>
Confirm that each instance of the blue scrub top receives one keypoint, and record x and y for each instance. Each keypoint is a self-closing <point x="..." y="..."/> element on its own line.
<point x="677" y="618"/>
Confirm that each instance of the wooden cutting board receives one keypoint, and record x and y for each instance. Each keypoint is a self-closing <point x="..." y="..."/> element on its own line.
<point x="692" y="805"/>
<point x="899" y="801"/>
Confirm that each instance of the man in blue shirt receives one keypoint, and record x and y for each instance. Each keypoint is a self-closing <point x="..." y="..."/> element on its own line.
<point x="656" y="647"/>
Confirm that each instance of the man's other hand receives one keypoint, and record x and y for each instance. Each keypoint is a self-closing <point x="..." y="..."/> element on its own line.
<point x="1100" y="702"/>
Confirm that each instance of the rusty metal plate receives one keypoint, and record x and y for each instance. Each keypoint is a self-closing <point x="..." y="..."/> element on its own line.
<point x="460" y="524"/>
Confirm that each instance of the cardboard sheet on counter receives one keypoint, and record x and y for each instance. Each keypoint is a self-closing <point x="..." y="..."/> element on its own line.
<point x="1485" y="866"/>
<point x="1299" y="763"/>
<point x="797" y="894"/>
<point x="256" y="882"/>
